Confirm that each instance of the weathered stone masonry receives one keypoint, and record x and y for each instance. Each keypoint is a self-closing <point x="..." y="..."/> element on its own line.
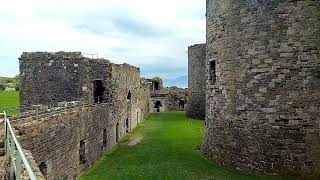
<point x="167" y="99"/>
<point x="197" y="81"/>
<point x="263" y="110"/>
<point x="68" y="141"/>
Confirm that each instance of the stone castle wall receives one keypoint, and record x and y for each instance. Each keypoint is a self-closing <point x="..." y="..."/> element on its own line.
<point x="54" y="138"/>
<point x="263" y="85"/>
<point x="177" y="99"/>
<point x="197" y="81"/>
<point x="51" y="77"/>
<point x="171" y="99"/>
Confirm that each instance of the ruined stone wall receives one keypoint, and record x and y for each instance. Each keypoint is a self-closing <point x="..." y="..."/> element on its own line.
<point x="177" y="99"/>
<point x="170" y="99"/>
<point x="144" y="98"/>
<point x="54" y="139"/>
<point x="263" y="110"/>
<point x="96" y="69"/>
<point x="197" y="81"/>
<point x="125" y="83"/>
<point x="48" y="78"/>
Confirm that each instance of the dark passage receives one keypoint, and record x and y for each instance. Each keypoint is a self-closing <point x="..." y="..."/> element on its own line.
<point x="129" y="95"/>
<point x="117" y="132"/>
<point x="156" y="86"/>
<point x="212" y="72"/>
<point x="104" y="138"/>
<point x="98" y="91"/>
<point x="82" y="152"/>
<point x="158" y="105"/>
<point x="181" y="104"/>
<point x="127" y="125"/>
<point x="43" y="168"/>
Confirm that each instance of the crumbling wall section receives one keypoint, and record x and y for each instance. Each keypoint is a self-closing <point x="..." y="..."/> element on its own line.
<point x="48" y="78"/>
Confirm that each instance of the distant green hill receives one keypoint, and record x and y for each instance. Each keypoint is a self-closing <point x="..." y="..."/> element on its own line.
<point x="10" y="82"/>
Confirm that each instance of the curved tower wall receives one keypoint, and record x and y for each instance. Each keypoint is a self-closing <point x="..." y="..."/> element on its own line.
<point x="196" y="81"/>
<point x="263" y="110"/>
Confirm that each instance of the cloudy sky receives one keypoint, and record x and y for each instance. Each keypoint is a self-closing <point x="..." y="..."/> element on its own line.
<point x="153" y="35"/>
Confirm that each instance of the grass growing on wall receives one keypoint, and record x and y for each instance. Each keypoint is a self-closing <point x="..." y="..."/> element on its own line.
<point x="167" y="150"/>
<point x="9" y="99"/>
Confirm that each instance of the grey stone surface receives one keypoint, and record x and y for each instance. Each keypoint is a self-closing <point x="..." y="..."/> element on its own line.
<point x="53" y="137"/>
<point x="196" y="81"/>
<point x="263" y="110"/>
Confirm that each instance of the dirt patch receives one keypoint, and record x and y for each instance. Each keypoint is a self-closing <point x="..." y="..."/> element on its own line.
<point x="135" y="140"/>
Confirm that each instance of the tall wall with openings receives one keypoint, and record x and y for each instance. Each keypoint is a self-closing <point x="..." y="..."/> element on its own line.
<point x="197" y="81"/>
<point x="109" y="101"/>
<point x="263" y="86"/>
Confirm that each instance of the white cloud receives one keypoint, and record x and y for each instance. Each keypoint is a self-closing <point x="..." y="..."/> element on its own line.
<point x="138" y="32"/>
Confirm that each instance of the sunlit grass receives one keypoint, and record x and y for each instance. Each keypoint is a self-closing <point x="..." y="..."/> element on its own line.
<point x="9" y="99"/>
<point x="168" y="150"/>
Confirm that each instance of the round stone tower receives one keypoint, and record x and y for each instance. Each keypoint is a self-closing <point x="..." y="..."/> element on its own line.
<point x="197" y="81"/>
<point x="263" y="86"/>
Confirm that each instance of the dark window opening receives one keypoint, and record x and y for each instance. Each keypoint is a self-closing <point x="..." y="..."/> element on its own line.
<point x="156" y="86"/>
<point x="117" y="132"/>
<point x="129" y="95"/>
<point x="127" y="125"/>
<point x="82" y="152"/>
<point x="105" y="138"/>
<point x="43" y="168"/>
<point x="158" y="105"/>
<point x="181" y="104"/>
<point x="98" y="92"/>
<point x="212" y="72"/>
<point x="137" y="118"/>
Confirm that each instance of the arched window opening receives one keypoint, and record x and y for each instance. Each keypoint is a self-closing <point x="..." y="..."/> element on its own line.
<point x="129" y="95"/>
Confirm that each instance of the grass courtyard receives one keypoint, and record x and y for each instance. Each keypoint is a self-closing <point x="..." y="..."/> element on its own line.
<point x="163" y="147"/>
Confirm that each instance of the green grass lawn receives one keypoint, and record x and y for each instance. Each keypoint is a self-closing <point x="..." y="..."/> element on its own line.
<point x="9" y="99"/>
<point x="168" y="150"/>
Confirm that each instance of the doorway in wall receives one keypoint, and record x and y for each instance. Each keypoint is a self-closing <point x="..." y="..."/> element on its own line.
<point x="181" y="104"/>
<point x="158" y="105"/>
<point x="98" y="91"/>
